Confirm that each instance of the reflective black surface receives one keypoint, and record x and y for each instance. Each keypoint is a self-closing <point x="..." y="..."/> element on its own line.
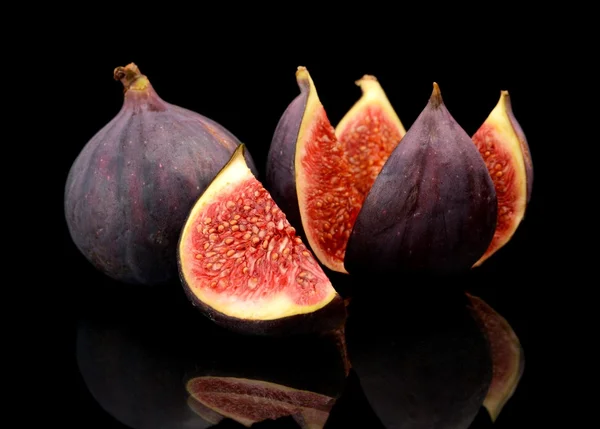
<point x="417" y="361"/>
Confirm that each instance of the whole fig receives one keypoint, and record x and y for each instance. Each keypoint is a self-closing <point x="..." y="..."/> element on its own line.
<point x="130" y="189"/>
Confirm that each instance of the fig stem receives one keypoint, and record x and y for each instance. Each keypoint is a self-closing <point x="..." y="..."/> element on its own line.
<point x="131" y="77"/>
<point x="436" y="96"/>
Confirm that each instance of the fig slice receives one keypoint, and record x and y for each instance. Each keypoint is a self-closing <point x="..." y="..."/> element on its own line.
<point x="242" y="264"/>
<point x="369" y="132"/>
<point x="320" y="175"/>
<point x="322" y="180"/>
<point x="503" y="145"/>
<point x="508" y="359"/>
<point x="251" y="401"/>
<point x="432" y="207"/>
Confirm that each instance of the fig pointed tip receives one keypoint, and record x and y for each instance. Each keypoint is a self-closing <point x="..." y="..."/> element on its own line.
<point x="303" y="78"/>
<point x="505" y="100"/>
<point x="301" y="71"/>
<point x="366" y="78"/>
<point x="436" y="96"/>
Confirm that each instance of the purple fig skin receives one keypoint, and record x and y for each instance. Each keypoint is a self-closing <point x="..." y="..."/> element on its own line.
<point x="130" y="188"/>
<point x="433" y="206"/>
<point x="280" y="171"/>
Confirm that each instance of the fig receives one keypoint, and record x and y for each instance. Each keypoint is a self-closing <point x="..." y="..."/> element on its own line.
<point x="320" y="175"/>
<point x="251" y="401"/>
<point x="130" y="188"/>
<point x="508" y="358"/>
<point x="432" y="207"/>
<point x="503" y="145"/>
<point x="243" y="265"/>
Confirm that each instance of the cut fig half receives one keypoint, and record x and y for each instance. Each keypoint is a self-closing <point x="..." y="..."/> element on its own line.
<point x="242" y="264"/>
<point x="508" y="359"/>
<point x="503" y="145"/>
<point x="321" y="174"/>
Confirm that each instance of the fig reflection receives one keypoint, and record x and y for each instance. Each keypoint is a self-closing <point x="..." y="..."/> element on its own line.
<point x="155" y="368"/>
<point x="421" y="358"/>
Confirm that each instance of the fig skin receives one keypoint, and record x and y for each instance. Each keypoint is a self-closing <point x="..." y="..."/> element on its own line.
<point x="129" y="189"/>
<point x="432" y="208"/>
<point x="330" y="318"/>
<point x="280" y="176"/>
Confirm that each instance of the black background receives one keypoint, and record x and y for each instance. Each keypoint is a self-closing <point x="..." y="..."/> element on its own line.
<point x="245" y="80"/>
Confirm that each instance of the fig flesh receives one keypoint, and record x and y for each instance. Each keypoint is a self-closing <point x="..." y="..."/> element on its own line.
<point x="321" y="175"/>
<point x="369" y="132"/>
<point x="432" y="207"/>
<point x="130" y="188"/>
<point x="243" y="265"/>
<point x="503" y="145"/>
<point x="250" y="401"/>
<point x="508" y="359"/>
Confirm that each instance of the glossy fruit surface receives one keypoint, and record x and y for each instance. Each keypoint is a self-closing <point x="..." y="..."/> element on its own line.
<point x="432" y="207"/>
<point x="130" y="188"/>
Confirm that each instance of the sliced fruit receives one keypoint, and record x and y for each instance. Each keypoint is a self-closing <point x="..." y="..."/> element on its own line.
<point x="502" y="144"/>
<point x="250" y="401"/>
<point x="369" y="132"/>
<point x="432" y="207"/>
<point x="508" y="359"/>
<point x="242" y="263"/>
<point x="320" y="174"/>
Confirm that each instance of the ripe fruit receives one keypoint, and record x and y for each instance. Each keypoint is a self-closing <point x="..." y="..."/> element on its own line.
<point x="242" y="263"/>
<point x="320" y="176"/>
<point x="130" y="188"/>
<point x="502" y="144"/>
<point x="432" y="207"/>
<point x="508" y="359"/>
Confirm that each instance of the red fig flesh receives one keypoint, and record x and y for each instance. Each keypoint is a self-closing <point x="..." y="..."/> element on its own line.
<point x="321" y="174"/>
<point x="502" y="144"/>
<point x="241" y="262"/>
